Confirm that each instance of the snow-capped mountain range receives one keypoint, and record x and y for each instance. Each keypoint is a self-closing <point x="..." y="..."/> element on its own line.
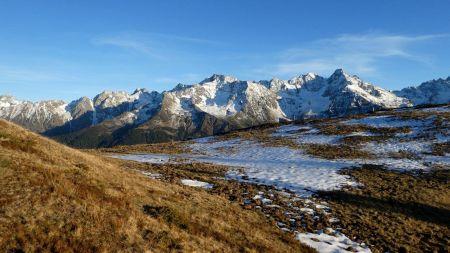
<point x="215" y="105"/>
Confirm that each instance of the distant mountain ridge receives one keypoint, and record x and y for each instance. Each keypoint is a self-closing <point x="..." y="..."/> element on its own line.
<point x="431" y="92"/>
<point x="217" y="104"/>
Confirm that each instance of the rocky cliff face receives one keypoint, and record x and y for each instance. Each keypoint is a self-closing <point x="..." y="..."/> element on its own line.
<point x="39" y="116"/>
<point x="215" y="105"/>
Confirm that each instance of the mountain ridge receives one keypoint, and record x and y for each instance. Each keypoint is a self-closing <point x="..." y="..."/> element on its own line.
<point x="215" y="105"/>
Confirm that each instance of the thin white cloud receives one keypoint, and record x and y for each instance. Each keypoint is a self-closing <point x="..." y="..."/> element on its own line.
<point x="15" y="74"/>
<point x="185" y="39"/>
<point x="155" y="45"/>
<point x="129" y="44"/>
<point x="356" y="53"/>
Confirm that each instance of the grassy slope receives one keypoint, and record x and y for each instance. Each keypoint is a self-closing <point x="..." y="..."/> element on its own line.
<point x="54" y="198"/>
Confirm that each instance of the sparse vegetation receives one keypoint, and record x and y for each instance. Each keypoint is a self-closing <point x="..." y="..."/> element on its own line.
<point x="404" y="154"/>
<point x="175" y="147"/>
<point x="341" y="151"/>
<point x="262" y="135"/>
<point x="345" y="129"/>
<point x="441" y="148"/>
<point x="360" y="139"/>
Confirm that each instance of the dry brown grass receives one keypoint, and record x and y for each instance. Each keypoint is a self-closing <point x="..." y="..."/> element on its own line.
<point x="175" y="147"/>
<point x="340" y="151"/>
<point x="441" y="148"/>
<point x="395" y="211"/>
<point x="360" y="139"/>
<point x="421" y="115"/>
<point x="345" y="129"/>
<point x="263" y="135"/>
<point x="403" y="154"/>
<point x="57" y="199"/>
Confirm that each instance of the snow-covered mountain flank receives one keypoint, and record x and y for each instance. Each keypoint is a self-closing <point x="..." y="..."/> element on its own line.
<point x="431" y="92"/>
<point x="217" y="104"/>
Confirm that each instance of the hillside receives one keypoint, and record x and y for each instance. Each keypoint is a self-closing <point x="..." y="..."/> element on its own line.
<point x="376" y="182"/>
<point x="57" y="199"/>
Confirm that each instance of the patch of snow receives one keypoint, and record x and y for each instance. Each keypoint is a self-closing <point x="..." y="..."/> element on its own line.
<point x="278" y="166"/>
<point x="256" y="197"/>
<point x="437" y="109"/>
<point x="289" y="129"/>
<point x="333" y="220"/>
<point x="307" y="210"/>
<point x="208" y="139"/>
<point x="335" y="242"/>
<point x="196" y="183"/>
<point x="266" y="201"/>
<point x="389" y="146"/>
<point x="314" y="138"/>
<point x="145" y="158"/>
<point x="319" y="206"/>
<point x="386" y="121"/>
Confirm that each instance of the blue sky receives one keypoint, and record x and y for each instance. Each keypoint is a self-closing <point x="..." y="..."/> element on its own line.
<point x="66" y="49"/>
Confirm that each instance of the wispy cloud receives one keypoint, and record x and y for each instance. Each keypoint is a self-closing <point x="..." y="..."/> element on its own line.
<point x="155" y="45"/>
<point x="357" y="53"/>
<point x="186" y="39"/>
<point x="132" y="44"/>
<point x="16" y="74"/>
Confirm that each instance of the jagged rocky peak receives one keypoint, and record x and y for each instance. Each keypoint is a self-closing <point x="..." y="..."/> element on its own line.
<point x="180" y="86"/>
<point x="340" y="77"/>
<point x="140" y="91"/>
<point x="220" y="79"/>
<point x="310" y="81"/>
<point x="79" y="107"/>
<point x="108" y="99"/>
<point x="305" y="78"/>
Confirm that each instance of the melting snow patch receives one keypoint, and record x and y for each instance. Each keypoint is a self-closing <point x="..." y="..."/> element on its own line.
<point x="318" y="206"/>
<point x="196" y="183"/>
<point x="266" y="201"/>
<point x="307" y="210"/>
<point x="335" y="242"/>
<point x="394" y="146"/>
<point x="208" y="139"/>
<point x="437" y="109"/>
<point x="386" y="121"/>
<point x="145" y="158"/>
<point x="333" y="220"/>
<point x="289" y="129"/>
<point x="282" y="167"/>
<point x="256" y="197"/>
